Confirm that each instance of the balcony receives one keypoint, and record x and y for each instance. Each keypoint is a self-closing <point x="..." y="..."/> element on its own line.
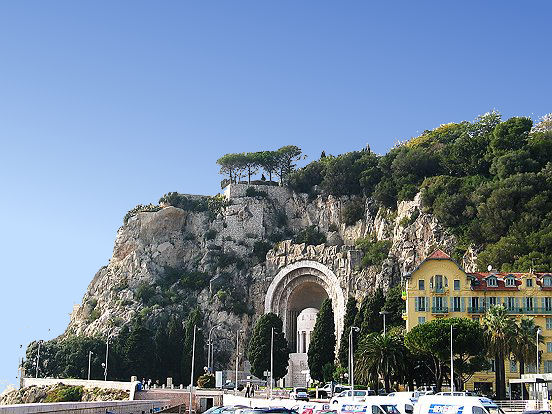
<point x="439" y="310"/>
<point x="478" y="309"/>
<point x="440" y="290"/>
<point x="530" y="311"/>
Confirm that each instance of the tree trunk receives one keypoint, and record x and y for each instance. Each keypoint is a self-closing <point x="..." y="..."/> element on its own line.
<point x="497" y="375"/>
<point x="502" y="395"/>
<point x="521" y="372"/>
<point x="248" y="175"/>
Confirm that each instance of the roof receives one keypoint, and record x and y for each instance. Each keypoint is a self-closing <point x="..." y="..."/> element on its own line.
<point x="438" y="255"/>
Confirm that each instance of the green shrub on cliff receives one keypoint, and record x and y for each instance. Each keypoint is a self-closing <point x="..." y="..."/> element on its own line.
<point x="64" y="393"/>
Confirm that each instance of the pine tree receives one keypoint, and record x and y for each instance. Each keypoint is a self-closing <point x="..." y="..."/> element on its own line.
<point x="350" y="315"/>
<point x="369" y="320"/>
<point x="322" y="344"/>
<point x="194" y="319"/>
<point x="258" y="351"/>
<point x="139" y="348"/>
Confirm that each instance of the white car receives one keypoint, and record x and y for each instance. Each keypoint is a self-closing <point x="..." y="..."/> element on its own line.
<point x="348" y="395"/>
<point x="455" y="405"/>
<point x="299" y="393"/>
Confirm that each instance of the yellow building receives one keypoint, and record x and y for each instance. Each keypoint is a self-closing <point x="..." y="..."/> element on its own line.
<point x="440" y="288"/>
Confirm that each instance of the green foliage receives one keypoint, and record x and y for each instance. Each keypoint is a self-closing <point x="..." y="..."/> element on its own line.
<point x="311" y="236"/>
<point x="375" y="252"/>
<point x="144" y="292"/>
<point x="185" y="202"/>
<point x="140" y="209"/>
<point x="351" y="311"/>
<point x="395" y="305"/>
<point x="253" y="192"/>
<point x="333" y="227"/>
<point x="352" y="212"/>
<point x="368" y="318"/>
<point x="322" y="345"/>
<point x="258" y="351"/>
<point x="210" y="234"/>
<point x="194" y="320"/>
<point x="260" y="249"/>
<point x="64" y="393"/>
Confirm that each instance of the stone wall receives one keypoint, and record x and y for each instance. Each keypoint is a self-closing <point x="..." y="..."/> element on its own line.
<point x="101" y="407"/>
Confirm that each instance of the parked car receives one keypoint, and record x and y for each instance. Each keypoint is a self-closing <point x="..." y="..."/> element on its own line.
<point x="230" y="386"/>
<point x="451" y="404"/>
<point x="349" y="395"/>
<point x="299" y="393"/>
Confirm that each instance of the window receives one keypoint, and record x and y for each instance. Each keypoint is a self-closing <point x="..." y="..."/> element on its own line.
<point x="548" y="323"/>
<point x="529" y="304"/>
<point x="492" y="365"/>
<point x="547" y="281"/>
<point x="456" y="304"/>
<point x="477" y="410"/>
<point x="547" y="367"/>
<point x="493" y="301"/>
<point x="439" y="302"/>
<point x="421" y="319"/>
<point x="491" y="281"/>
<point x="548" y="304"/>
<point x="530" y="368"/>
<point x="549" y="347"/>
<point x="456" y="284"/>
<point x="510" y="281"/>
<point x="475" y="302"/>
<point x="438" y="282"/>
<point x="421" y="284"/>
<point x="513" y="366"/>
<point x="375" y="409"/>
<point x="529" y="282"/>
<point x="511" y="303"/>
<point x="421" y="304"/>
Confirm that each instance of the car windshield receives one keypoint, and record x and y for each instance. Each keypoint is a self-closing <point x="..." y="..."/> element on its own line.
<point x="359" y="393"/>
<point x="493" y="409"/>
<point x="390" y="409"/>
<point x="300" y="390"/>
<point x="214" y="410"/>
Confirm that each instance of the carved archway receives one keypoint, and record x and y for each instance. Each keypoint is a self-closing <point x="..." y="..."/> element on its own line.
<point x="300" y="285"/>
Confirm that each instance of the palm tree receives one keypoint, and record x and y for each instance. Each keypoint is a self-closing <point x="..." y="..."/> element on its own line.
<point x="379" y="356"/>
<point x="525" y="345"/>
<point x="500" y="331"/>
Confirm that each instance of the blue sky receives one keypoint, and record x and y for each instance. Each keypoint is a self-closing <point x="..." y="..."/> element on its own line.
<point x="105" y="105"/>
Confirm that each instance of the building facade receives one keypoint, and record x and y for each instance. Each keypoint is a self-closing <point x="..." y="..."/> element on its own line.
<point x="440" y="288"/>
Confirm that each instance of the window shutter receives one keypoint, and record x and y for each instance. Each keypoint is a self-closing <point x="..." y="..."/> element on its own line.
<point x="445" y="302"/>
<point x="463" y="304"/>
<point x="416" y="303"/>
<point x="426" y="303"/>
<point x="433" y="301"/>
<point x="542" y="304"/>
<point x="517" y="303"/>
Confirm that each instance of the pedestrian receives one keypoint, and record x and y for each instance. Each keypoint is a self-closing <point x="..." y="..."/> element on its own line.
<point x="149" y="383"/>
<point x="247" y="391"/>
<point x="252" y="390"/>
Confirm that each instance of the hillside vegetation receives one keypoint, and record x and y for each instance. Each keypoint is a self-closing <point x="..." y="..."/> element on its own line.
<point x="489" y="181"/>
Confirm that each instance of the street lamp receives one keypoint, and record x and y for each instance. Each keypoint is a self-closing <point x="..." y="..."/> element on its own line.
<point x="271" y="359"/>
<point x="192" y="370"/>
<point x="89" y="360"/>
<point x="384" y="313"/>
<point x="538" y="333"/>
<point x="211" y="351"/>
<point x="351" y="362"/>
<point x="104" y="365"/>
<point x="38" y="357"/>
<point x="237" y="359"/>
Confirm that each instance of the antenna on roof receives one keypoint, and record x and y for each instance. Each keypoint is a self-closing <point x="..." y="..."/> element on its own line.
<point x="490" y="267"/>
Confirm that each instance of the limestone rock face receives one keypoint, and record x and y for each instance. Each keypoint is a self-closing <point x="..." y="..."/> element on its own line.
<point x="226" y="248"/>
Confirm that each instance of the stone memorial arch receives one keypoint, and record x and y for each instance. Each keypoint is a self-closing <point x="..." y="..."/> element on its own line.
<point x="301" y="285"/>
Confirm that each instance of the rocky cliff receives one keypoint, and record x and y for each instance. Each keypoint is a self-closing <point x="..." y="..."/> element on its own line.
<point x="225" y="260"/>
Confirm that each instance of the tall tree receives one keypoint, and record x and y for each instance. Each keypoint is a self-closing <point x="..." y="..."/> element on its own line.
<point x="368" y="319"/>
<point x="395" y="305"/>
<point x="524" y="349"/>
<point x="500" y="333"/>
<point x="287" y="156"/>
<point x="351" y="311"/>
<point x="139" y="348"/>
<point x="194" y="319"/>
<point x="380" y="356"/>
<point x="268" y="160"/>
<point x="251" y="162"/>
<point x="322" y="344"/>
<point x="258" y="351"/>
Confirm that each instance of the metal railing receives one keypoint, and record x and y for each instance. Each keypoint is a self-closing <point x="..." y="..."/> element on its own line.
<point x="439" y="309"/>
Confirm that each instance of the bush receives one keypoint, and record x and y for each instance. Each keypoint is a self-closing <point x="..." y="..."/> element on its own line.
<point x="210" y="234"/>
<point x="375" y="252"/>
<point x="253" y="192"/>
<point x="184" y="202"/>
<point x="260" y="249"/>
<point x="64" y="393"/>
<point x="352" y="212"/>
<point x="144" y="292"/>
<point x="140" y="209"/>
<point x="333" y="227"/>
<point x="310" y="236"/>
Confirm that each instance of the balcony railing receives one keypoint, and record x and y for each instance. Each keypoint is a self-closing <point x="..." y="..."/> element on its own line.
<point x="516" y="311"/>
<point x="441" y="309"/>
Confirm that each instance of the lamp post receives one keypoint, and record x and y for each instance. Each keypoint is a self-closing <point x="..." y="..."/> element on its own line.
<point x="106" y="356"/>
<point x="89" y="361"/>
<point x="538" y="333"/>
<point x="384" y="313"/>
<point x="38" y="357"/>
<point x="192" y="367"/>
<point x="210" y="351"/>
<point x="237" y="359"/>
<point x="351" y="362"/>
<point x="271" y="359"/>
